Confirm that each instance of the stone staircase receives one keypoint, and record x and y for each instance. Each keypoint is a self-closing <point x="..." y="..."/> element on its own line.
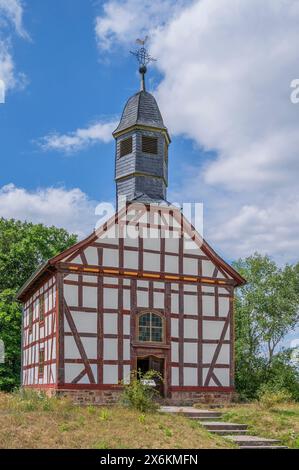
<point x="236" y="433"/>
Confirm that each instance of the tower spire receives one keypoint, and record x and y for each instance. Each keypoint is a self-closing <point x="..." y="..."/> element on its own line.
<point x="143" y="59"/>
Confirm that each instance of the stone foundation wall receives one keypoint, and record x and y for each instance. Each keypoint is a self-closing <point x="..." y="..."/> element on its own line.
<point x="90" y="397"/>
<point x="111" y="397"/>
<point x="208" y="398"/>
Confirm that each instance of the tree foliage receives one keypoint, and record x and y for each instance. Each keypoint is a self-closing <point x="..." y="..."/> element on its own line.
<point x="23" y="247"/>
<point x="266" y="309"/>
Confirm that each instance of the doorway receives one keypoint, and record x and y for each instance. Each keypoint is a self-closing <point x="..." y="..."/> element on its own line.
<point x="144" y="364"/>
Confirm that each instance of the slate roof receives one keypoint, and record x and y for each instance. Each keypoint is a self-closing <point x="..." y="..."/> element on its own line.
<point x="142" y="109"/>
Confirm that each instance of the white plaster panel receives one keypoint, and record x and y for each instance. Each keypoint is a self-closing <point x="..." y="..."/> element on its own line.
<point x="142" y="284"/>
<point x="90" y="346"/>
<point x="223" y="376"/>
<point x="110" y="323"/>
<point x="223" y="306"/>
<point x="158" y="300"/>
<point x="126" y="299"/>
<point x="174" y="303"/>
<point x="174" y="351"/>
<point x="110" y="298"/>
<point x="110" y="374"/>
<point x="127" y="282"/>
<point x="171" y="244"/>
<point x="151" y="261"/>
<point x="190" y="288"/>
<point x="90" y="297"/>
<point x="175" y="376"/>
<point x="111" y="280"/>
<point x="190" y="376"/>
<point x="131" y="236"/>
<point x="171" y="264"/>
<point x="84" y="380"/>
<point x="208" y="351"/>
<point x="223" y="290"/>
<point x="208" y="289"/>
<point x="152" y="240"/>
<point x="126" y="374"/>
<point x="212" y="329"/>
<point x="76" y="260"/>
<point x="207" y="268"/>
<point x="190" y="305"/>
<point x="72" y="371"/>
<point x="130" y="259"/>
<point x="72" y="277"/>
<point x="126" y="350"/>
<point x="85" y="322"/>
<point x="191" y="247"/>
<point x="190" y="329"/>
<point x="174" y="327"/>
<point x="110" y="257"/>
<point x="224" y="354"/>
<point x="208" y="305"/>
<point x="110" y="349"/>
<point x="190" y="266"/>
<point x="110" y="236"/>
<point x="142" y="299"/>
<point x="71" y="295"/>
<point x="190" y="352"/>
<point x="70" y="348"/>
<point x="126" y="324"/>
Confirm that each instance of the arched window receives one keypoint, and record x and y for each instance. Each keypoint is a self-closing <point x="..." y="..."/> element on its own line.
<point x="150" y="327"/>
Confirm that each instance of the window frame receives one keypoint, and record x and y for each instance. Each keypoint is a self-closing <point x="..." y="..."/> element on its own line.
<point x="158" y="314"/>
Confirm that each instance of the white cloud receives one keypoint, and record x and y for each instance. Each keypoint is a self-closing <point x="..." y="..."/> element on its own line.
<point x="229" y="64"/>
<point x="122" y="22"/>
<point x="79" y="139"/>
<point x="12" y="11"/>
<point x="70" y="209"/>
<point x="11" y="19"/>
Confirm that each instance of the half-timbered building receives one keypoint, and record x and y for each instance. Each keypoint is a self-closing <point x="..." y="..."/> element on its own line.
<point x="143" y="291"/>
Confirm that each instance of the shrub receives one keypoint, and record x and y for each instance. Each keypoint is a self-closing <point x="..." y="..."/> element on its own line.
<point x="270" y="396"/>
<point x="138" y="394"/>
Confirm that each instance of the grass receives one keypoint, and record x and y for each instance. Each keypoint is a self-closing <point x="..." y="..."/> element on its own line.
<point x="280" y="422"/>
<point x="30" y="421"/>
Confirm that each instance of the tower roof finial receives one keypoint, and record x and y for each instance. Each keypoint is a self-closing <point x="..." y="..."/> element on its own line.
<point x="143" y="59"/>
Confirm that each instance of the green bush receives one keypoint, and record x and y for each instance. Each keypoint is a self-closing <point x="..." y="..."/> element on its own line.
<point x="139" y="395"/>
<point x="269" y="396"/>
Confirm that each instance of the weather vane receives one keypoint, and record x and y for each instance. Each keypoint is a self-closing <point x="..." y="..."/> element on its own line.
<point x="143" y="59"/>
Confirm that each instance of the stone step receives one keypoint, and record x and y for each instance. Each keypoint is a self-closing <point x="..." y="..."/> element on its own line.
<point x="252" y="441"/>
<point x="264" y="447"/>
<point x="190" y="412"/>
<point x="228" y="432"/>
<point x="220" y="425"/>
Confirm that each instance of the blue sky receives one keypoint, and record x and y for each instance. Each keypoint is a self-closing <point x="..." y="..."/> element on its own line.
<point x="222" y="81"/>
<point x="71" y="84"/>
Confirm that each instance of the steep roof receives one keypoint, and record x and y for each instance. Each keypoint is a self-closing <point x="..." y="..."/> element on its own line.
<point x="141" y="109"/>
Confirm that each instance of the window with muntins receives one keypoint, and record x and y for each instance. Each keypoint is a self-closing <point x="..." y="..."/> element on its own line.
<point x="149" y="144"/>
<point x="125" y="147"/>
<point x="150" y="328"/>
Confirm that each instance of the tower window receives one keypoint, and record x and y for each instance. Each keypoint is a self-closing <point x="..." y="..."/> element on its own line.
<point x="150" y="328"/>
<point x="149" y="144"/>
<point x="125" y="147"/>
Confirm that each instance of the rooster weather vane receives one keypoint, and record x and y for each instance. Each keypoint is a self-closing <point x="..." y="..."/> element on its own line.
<point x="143" y="59"/>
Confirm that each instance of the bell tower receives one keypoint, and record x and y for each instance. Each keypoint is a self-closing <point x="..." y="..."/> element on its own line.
<point x="142" y="140"/>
